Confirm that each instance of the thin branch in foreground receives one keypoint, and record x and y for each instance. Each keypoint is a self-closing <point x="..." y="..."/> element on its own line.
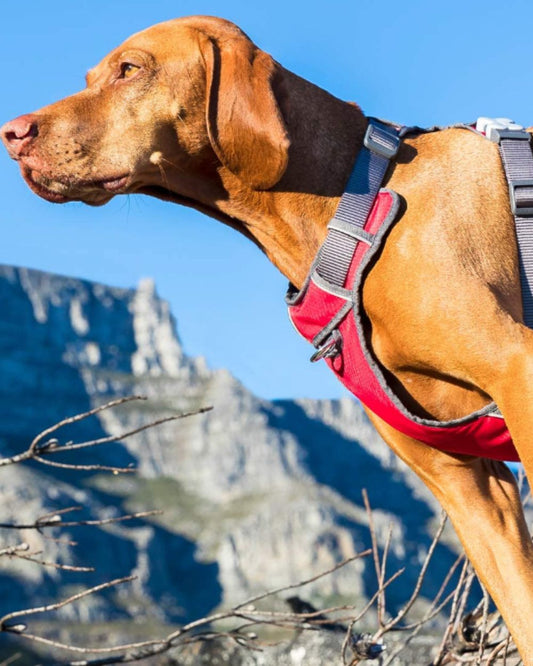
<point x="195" y="631"/>
<point x="31" y="557"/>
<point x="436" y="605"/>
<point x="129" y="433"/>
<point x="353" y="620"/>
<point x="484" y="628"/>
<point x="38" y="448"/>
<point x="80" y="417"/>
<point x="56" y="606"/>
<point x="435" y="608"/>
<point x="375" y="551"/>
<point x="190" y="634"/>
<point x="81" y="467"/>
<point x="415" y="628"/>
<point x="286" y="588"/>
<point x="54" y="520"/>
<point x="421" y="576"/>
<point x="383" y="567"/>
<point x="453" y="615"/>
<point x="15" y="550"/>
<point x="205" y="629"/>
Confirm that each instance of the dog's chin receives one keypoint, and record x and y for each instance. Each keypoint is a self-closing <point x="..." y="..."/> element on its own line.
<point x="56" y="191"/>
<point x="42" y="190"/>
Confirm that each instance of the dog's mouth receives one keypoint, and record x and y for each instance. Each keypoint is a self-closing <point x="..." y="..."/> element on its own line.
<point x="92" y="192"/>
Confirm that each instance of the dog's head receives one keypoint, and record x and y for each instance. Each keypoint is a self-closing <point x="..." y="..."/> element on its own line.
<point x="173" y="111"/>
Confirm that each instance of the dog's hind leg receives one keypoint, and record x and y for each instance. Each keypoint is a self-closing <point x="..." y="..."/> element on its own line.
<point x="482" y="500"/>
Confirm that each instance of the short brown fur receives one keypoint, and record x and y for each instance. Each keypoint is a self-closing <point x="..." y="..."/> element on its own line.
<point x="208" y="120"/>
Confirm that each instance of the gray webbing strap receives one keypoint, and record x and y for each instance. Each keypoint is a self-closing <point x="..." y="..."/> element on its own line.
<point x="517" y="160"/>
<point x="380" y="145"/>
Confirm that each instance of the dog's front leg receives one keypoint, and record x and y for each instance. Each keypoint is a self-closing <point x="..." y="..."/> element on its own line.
<point x="481" y="498"/>
<point x="511" y="387"/>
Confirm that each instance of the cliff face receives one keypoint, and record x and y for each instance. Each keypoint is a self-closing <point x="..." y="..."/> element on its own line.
<point x="255" y="494"/>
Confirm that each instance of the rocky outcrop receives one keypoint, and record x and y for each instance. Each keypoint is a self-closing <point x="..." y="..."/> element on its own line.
<point x="255" y="494"/>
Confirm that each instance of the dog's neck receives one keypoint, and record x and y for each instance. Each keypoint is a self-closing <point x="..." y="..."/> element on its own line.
<point x="289" y="221"/>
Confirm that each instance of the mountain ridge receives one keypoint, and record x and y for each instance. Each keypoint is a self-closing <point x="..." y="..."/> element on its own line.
<point x="256" y="494"/>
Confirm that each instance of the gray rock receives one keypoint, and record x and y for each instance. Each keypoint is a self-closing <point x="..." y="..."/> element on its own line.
<point x="255" y="494"/>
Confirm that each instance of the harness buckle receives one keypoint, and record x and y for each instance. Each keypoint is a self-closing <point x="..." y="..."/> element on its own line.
<point x="524" y="207"/>
<point x="381" y="141"/>
<point x="496" y="129"/>
<point x="330" y="348"/>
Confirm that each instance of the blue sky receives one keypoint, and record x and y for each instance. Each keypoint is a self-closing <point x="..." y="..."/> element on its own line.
<point x="414" y="62"/>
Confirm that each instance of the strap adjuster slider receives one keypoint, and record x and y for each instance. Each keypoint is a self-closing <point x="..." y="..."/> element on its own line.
<point x="496" y="134"/>
<point x="522" y="208"/>
<point x="380" y="141"/>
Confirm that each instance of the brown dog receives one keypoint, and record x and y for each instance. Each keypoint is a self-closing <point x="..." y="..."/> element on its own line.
<point x="192" y="111"/>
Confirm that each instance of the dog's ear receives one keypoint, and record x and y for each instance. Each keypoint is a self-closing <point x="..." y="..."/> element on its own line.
<point x="244" y="122"/>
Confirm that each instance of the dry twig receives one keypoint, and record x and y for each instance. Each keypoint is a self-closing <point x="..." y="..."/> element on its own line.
<point x="41" y="447"/>
<point x="241" y="622"/>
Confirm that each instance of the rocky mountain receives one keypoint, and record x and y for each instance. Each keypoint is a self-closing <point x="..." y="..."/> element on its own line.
<point x="255" y="494"/>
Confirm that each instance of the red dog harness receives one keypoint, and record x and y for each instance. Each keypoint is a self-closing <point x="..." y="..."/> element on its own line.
<point x="328" y="311"/>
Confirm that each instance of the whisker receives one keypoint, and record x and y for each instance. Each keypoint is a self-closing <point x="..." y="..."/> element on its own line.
<point x="163" y="173"/>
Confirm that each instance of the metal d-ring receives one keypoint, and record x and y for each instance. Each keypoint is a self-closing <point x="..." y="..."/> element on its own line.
<point x="329" y="348"/>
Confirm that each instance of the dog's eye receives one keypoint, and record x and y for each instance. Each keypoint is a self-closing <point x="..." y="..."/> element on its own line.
<point x="127" y="70"/>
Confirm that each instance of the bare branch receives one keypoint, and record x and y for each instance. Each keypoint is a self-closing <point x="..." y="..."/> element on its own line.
<point x="80" y="417"/>
<point x="135" y="431"/>
<point x="60" y="604"/>
<point x="81" y="467"/>
<point x="453" y="615"/>
<point x="53" y="565"/>
<point x="15" y="550"/>
<point x="403" y="612"/>
<point x="54" y="520"/>
<point x="245" y="615"/>
<point x="285" y="588"/>
<point x="383" y="567"/>
<point x="369" y="605"/>
<point x="39" y="448"/>
<point x="484" y="626"/>
<point x="375" y="550"/>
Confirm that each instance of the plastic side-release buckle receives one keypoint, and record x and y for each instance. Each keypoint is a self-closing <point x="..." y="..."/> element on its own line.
<point x="329" y="348"/>
<point x="496" y="129"/>
<point x="381" y="141"/>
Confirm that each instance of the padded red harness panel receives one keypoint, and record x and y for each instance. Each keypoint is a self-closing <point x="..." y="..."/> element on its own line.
<point x="322" y="311"/>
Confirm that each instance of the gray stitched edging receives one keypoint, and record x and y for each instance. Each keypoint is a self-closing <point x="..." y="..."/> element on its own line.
<point x="293" y="297"/>
<point x="357" y="310"/>
<point x="322" y="335"/>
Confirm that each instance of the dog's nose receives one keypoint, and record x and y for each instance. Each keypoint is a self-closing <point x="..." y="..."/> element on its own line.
<point x="18" y="134"/>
